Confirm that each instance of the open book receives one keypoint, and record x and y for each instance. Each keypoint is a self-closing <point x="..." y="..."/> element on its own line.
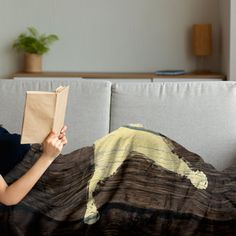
<point x="44" y="112"/>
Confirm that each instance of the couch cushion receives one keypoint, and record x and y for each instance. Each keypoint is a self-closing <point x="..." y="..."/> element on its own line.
<point x="88" y="110"/>
<point x="199" y="115"/>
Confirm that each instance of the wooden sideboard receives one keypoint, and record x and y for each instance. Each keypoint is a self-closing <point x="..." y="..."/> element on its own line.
<point x="121" y="76"/>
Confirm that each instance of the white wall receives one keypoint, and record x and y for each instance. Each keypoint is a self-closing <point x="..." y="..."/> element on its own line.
<point x="225" y="36"/>
<point x="232" y="64"/>
<point x="109" y="35"/>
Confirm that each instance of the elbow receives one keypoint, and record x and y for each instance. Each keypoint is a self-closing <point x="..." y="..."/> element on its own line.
<point x="9" y="202"/>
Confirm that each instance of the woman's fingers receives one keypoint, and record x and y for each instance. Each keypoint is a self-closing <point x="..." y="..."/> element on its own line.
<point x="62" y="132"/>
<point x="61" y="135"/>
<point x="64" y="140"/>
<point x="50" y="137"/>
<point x="59" y="144"/>
<point x="53" y="144"/>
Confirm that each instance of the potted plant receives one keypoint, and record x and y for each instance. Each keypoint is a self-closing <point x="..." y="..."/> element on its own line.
<point x="34" y="45"/>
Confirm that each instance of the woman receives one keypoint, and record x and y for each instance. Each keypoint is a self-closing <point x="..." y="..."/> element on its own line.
<point x="52" y="147"/>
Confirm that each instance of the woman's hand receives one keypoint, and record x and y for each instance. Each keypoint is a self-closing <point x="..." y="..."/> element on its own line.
<point x="63" y="132"/>
<point x="53" y="144"/>
<point x="52" y="147"/>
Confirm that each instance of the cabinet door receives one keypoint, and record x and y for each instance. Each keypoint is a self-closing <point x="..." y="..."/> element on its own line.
<point x="184" y="79"/>
<point x="125" y="80"/>
<point x="46" y="78"/>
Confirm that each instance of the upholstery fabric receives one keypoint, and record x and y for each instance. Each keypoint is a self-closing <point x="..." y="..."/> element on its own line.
<point x="87" y="114"/>
<point x="199" y="115"/>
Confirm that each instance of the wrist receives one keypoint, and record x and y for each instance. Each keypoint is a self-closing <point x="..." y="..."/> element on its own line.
<point x="47" y="158"/>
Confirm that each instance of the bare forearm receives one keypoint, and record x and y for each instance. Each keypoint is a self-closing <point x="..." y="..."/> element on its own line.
<point x="52" y="147"/>
<point x="17" y="190"/>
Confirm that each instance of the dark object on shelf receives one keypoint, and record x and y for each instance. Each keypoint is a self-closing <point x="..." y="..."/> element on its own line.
<point x="170" y="72"/>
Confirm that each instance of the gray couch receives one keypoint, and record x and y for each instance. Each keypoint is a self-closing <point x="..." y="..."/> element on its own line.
<point x="199" y="115"/>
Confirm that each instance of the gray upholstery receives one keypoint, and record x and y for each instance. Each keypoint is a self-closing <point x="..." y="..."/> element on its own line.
<point x="199" y="115"/>
<point x="87" y="113"/>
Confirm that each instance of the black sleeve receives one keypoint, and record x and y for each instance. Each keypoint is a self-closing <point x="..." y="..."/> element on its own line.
<point x="11" y="151"/>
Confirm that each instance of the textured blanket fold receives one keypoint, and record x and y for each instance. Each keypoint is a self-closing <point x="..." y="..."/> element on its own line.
<point x="131" y="182"/>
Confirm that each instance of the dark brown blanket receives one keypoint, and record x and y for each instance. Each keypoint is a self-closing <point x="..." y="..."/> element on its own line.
<point x="140" y="198"/>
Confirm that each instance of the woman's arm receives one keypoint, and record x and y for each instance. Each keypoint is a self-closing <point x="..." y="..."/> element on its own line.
<point x="14" y="193"/>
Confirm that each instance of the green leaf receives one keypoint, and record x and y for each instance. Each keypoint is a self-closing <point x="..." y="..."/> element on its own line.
<point x="34" y="42"/>
<point x="33" y="32"/>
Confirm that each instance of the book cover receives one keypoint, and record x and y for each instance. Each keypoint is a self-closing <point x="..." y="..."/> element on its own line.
<point x="43" y="112"/>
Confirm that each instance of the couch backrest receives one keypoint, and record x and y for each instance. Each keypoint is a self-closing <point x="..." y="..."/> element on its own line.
<point x="87" y="114"/>
<point x="199" y="115"/>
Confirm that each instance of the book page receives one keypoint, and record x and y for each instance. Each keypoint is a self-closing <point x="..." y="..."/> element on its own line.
<point x="61" y="103"/>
